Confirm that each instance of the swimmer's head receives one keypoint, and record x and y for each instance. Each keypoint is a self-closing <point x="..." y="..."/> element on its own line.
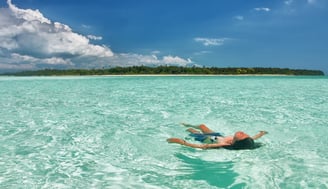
<point x="241" y="141"/>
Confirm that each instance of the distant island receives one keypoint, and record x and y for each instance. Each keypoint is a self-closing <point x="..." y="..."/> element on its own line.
<point x="169" y="70"/>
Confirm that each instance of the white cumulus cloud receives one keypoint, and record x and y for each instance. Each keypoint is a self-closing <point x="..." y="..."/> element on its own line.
<point x="33" y="60"/>
<point x="175" y="60"/>
<point x="211" y="41"/>
<point x="28" y="40"/>
<point x="28" y="15"/>
<point x="93" y="37"/>
<point x="132" y="59"/>
<point x="29" y="32"/>
<point x="265" y="9"/>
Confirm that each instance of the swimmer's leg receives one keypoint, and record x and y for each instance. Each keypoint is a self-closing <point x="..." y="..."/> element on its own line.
<point x="202" y="127"/>
<point x="189" y="125"/>
<point x="191" y="130"/>
<point x="205" y="129"/>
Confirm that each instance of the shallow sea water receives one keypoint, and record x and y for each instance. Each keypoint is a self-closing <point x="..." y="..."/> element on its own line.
<point x="110" y="132"/>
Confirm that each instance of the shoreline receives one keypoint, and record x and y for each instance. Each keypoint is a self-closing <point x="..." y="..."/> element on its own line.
<point x="171" y="71"/>
<point x="198" y="75"/>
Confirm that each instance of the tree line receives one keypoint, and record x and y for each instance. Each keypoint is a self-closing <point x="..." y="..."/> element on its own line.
<point x="167" y="70"/>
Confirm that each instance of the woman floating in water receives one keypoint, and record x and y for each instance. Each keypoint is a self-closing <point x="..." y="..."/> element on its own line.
<point x="211" y="139"/>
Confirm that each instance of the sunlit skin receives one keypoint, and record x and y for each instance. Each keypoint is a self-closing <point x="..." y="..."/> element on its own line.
<point x="221" y="142"/>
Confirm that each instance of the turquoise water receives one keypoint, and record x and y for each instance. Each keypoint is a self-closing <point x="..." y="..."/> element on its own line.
<point x="110" y="132"/>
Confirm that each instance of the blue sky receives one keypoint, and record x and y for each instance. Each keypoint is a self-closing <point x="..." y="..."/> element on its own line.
<point x="37" y="34"/>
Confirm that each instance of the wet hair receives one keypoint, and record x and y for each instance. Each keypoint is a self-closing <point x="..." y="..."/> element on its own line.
<point x="247" y="143"/>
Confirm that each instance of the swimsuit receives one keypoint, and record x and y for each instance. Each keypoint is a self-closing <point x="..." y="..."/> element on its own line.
<point x="208" y="138"/>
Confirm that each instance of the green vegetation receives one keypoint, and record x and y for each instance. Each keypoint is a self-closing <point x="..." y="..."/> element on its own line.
<point x="166" y="70"/>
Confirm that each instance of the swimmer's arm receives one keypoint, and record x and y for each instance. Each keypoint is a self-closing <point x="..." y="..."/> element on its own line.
<point x="259" y="135"/>
<point x="202" y="146"/>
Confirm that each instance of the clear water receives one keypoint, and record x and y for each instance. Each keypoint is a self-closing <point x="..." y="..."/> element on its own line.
<point x="110" y="132"/>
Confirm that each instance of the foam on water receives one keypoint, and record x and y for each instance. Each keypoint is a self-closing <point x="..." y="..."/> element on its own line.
<point x="110" y="132"/>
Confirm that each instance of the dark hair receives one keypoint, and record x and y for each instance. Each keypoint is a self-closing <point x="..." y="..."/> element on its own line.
<point x="247" y="143"/>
